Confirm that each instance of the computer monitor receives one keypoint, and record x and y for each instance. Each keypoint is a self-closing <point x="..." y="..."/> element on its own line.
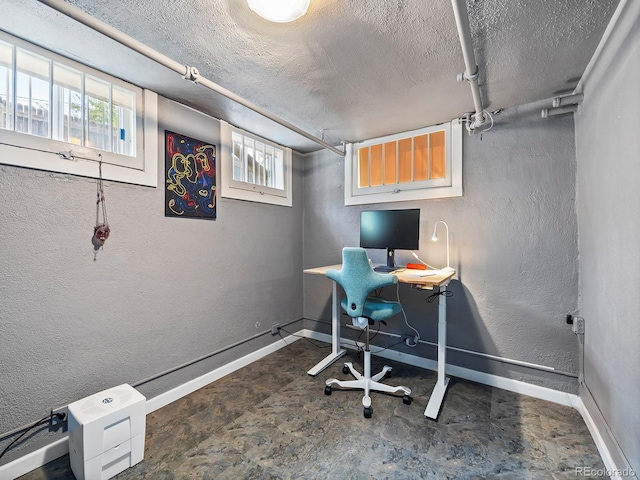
<point x="391" y="230"/>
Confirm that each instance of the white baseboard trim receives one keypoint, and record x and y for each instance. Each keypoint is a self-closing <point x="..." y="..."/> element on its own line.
<point x="616" y="465"/>
<point x="516" y="386"/>
<point x="44" y="455"/>
<point x="615" y="462"/>
<point x="191" y="386"/>
<point x="588" y="409"/>
<point x="35" y="459"/>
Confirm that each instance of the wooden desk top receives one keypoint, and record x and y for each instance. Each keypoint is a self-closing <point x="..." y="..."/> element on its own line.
<point x="438" y="279"/>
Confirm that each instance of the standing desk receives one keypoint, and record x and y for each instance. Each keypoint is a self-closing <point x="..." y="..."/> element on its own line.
<point x="440" y="280"/>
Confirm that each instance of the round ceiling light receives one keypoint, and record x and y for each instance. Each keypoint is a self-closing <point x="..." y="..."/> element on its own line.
<point x="280" y="11"/>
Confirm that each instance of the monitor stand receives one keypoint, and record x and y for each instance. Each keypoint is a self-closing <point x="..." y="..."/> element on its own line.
<point x="391" y="263"/>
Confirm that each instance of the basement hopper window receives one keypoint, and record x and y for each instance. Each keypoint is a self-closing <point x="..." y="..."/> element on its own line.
<point x="52" y="105"/>
<point x="253" y="168"/>
<point x="416" y="165"/>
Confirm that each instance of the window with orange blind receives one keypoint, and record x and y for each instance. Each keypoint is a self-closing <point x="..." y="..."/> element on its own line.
<point x="424" y="163"/>
<point x="419" y="158"/>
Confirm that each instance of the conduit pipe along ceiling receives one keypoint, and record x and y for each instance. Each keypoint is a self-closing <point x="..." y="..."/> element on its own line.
<point x="471" y="68"/>
<point x="188" y="72"/>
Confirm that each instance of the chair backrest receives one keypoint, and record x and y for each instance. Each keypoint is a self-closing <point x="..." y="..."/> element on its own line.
<point x="358" y="279"/>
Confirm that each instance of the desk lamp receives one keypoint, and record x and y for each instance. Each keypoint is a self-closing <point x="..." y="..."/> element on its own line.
<point x="435" y="239"/>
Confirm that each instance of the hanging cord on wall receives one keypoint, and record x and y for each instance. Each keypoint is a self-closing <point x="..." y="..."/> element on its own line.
<point x="416" y="339"/>
<point x="42" y="421"/>
<point x="101" y="231"/>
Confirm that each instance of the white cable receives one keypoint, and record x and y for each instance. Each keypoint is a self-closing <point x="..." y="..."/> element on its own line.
<point x="416" y="339"/>
<point x="424" y="263"/>
<point x="490" y="118"/>
<point x="470" y="120"/>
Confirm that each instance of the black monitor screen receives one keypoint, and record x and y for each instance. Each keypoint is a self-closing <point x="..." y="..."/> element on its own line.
<point x="391" y="229"/>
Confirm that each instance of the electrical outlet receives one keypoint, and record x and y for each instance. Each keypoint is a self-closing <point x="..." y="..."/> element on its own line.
<point x="275" y="328"/>
<point x="55" y="422"/>
<point x="578" y="326"/>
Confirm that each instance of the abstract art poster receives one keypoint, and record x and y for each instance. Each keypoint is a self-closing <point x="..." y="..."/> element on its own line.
<point x="190" y="184"/>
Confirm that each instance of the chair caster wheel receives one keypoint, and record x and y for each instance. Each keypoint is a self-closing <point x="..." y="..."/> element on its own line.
<point x="327" y="390"/>
<point x="345" y="370"/>
<point x="407" y="400"/>
<point x="368" y="411"/>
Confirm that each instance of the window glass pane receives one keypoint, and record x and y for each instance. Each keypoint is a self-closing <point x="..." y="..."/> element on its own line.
<point x="32" y="91"/>
<point x="279" y="168"/>
<point x="238" y="157"/>
<point x="404" y="160"/>
<point x="390" y="167"/>
<point x="259" y="164"/>
<point x="249" y="156"/>
<point x="420" y="158"/>
<point x="363" y="167"/>
<point x="98" y="89"/>
<point x="23" y="100"/>
<point x="97" y="114"/>
<point x="376" y="165"/>
<point x="124" y="121"/>
<point x="6" y="84"/>
<point x="270" y="166"/>
<point x="438" y="155"/>
<point x="43" y="94"/>
<point x="40" y="107"/>
<point x="67" y="104"/>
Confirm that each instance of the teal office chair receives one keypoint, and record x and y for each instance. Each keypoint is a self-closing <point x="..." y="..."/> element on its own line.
<point x="358" y="279"/>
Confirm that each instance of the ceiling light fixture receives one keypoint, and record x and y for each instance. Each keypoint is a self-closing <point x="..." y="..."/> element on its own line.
<point x="280" y="11"/>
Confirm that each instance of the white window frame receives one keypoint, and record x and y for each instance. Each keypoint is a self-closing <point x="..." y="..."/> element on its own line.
<point x="400" y="192"/>
<point x="230" y="188"/>
<point x="30" y="151"/>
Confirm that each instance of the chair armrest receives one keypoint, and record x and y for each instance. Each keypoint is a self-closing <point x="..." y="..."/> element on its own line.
<point x="383" y="280"/>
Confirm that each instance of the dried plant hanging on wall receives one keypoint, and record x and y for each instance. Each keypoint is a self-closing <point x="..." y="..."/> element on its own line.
<point x="101" y="231"/>
<point x="190" y="167"/>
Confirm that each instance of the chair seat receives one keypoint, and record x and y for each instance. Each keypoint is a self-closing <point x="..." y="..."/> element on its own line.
<point x="376" y="309"/>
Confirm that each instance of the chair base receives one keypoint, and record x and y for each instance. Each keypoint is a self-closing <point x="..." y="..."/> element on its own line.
<point x="367" y="382"/>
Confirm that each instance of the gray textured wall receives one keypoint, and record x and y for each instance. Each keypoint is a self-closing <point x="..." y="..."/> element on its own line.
<point x="513" y="242"/>
<point x="608" y="149"/>
<point x="162" y="292"/>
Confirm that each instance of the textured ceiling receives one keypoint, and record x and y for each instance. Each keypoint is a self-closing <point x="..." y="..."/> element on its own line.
<point x="351" y="69"/>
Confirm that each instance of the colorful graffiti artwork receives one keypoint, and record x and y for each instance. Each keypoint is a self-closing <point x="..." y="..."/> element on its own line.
<point x="190" y="166"/>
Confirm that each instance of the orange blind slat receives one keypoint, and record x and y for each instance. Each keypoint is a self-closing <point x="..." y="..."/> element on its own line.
<point x="420" y="158"/>
<point x="376" y="165"/>
<point x="390" y="166"/>
<point x="404" y="157"/>
<point x="437" y="150"/>
<point x="363" y="167"/>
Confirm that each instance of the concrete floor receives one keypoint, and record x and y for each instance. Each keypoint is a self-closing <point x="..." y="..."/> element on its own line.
<point x="272" y="421"/>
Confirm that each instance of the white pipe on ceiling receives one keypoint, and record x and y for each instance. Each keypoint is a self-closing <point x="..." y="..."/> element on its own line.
<point x="471" y="72"/>
<point x="550" y="112"/>
<point x="567" y="100"/>
<point x="188" y="72"/>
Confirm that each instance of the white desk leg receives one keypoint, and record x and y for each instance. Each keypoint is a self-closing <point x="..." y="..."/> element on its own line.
<point x="336" y="353"/>
<point x="435" y="401"/>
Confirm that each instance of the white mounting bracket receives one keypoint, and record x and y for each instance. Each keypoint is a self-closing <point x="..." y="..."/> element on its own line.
<point x="192" y="73"/>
